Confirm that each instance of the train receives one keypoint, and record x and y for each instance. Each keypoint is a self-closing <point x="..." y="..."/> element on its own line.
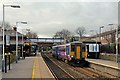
<point x="73" y="53"/>
<point x="93" y="49"/>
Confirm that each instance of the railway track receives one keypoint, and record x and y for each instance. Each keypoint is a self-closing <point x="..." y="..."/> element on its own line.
<point x="77" y="72"/>
<point x="57" y="71"/>
<point x="73" y="73"/>
<point x="88" y="73"/>
<point x="66" y="71"/>
<point x="84" y="72"/>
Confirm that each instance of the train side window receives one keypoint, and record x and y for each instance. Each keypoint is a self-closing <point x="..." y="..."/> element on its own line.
<point x="93" y="48"/>
<point x="67" y="49"/>
<point x="53" y="49"/>
<point x="61" y="49"/>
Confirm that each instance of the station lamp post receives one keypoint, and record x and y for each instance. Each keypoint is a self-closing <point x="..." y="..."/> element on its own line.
<point x="95" y="40"/>
<point x="17" y="40"/>
<point x="101" y="32"/>
<point x="22" y="41"/>
<point x="116" y="42"/>
<point x="3" y="24"/>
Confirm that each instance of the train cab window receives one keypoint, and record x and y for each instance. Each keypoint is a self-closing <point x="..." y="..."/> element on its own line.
<point x="83" y="48"/>
<point x="72" y="47"/>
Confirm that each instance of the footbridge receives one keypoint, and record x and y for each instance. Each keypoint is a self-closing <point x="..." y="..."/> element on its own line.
<point x="46" y="43"/>
<point x="46" y="40"/>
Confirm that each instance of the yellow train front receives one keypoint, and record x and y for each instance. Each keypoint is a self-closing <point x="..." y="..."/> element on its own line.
<point x="77" y="52"/>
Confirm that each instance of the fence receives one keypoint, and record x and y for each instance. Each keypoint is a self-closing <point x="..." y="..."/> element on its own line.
<point x="109" y="48"/>
<point x="108" y="52"/>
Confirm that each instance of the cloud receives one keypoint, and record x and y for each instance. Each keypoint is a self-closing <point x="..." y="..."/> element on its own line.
<point x="59" y="1"/>
<point x="46" y="18"/>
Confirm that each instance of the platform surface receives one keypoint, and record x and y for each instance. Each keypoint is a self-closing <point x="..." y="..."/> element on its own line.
<point x="107" y="63"/>
<point x="30" y="67"/>
<point x="40" y="69"/>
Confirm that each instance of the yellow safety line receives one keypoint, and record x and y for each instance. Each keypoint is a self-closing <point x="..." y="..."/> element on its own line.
<point x="33" y="71"/>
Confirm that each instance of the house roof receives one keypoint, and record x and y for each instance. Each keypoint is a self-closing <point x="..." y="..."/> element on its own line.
<point x="11" y="33"/>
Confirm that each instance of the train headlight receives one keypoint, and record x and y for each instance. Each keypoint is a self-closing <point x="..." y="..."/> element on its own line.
<point x="72" y="56"/>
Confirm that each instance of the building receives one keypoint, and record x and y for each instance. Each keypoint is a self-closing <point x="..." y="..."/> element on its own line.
<point x="108" y="37"/>
<point x="10" y="40"/>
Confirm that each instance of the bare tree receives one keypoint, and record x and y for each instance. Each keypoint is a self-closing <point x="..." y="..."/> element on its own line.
<point x="80" y="31"/>
<point x="35" y="35"/>
<point x="62" y="34"/>
<point x="7" y="26"/>
<point x="58" y="34"/>
<point x="65" y="33"/>
<point x="31" y="34"/>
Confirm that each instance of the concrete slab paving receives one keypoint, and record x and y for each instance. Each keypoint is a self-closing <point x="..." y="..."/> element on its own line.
<point x="22" y="69"/>
<point x="31" y="68"/>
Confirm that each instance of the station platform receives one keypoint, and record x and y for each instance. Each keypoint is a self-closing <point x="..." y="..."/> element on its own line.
<point x="31" y="68"/>
<point x="40" y="69"/>
<point x="104" y="63"/>
<point x="106" y="66"/>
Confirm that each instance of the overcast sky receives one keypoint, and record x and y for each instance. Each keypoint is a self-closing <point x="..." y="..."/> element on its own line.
<point x="46" y="18"/>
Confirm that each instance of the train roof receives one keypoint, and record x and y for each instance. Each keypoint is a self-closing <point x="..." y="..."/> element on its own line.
<point x="59" y="45"/>
<point x="68" y="44"/>
<point x="77" y="42"/>
<point x="92" y="41"/>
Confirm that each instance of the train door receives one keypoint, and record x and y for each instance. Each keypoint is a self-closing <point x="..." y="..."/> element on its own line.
<point x="78" y="51"/>
<point x="73" y="49"/>
<point x="84" y="52"/>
